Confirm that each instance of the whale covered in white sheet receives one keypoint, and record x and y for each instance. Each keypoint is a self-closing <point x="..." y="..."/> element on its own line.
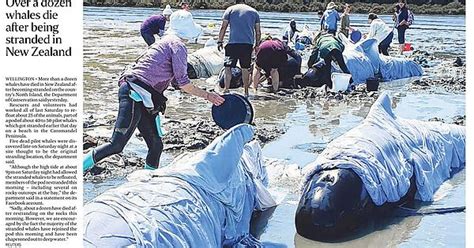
<point x="364" y="61"/>
<point x="205" y="62"/>
<point x="384" y="161"/>
<point x="202" y="199"/>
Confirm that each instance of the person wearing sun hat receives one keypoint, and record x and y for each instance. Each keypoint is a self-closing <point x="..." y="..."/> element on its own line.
<point x="183" y="25"/>
<point x="155" y="24"/>
<point x="141" y="90"/>
<point x="330" y="18"/>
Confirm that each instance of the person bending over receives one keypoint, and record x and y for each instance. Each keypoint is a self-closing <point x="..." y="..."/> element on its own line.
<point x="326" y="49"/>
<point x="155" y="24"/>
<point x="272" y="54"/>
<point x="244" y="22"/>
<point x="141" y="94"/>
<point x="381" y="32"/>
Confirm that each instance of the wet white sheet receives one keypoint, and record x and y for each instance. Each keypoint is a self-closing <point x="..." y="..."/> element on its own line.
<point x="386" y="150"/>
<point x="203" y="199"/>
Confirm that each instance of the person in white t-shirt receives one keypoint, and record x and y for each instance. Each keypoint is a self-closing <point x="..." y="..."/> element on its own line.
<point x="381" y="32"/>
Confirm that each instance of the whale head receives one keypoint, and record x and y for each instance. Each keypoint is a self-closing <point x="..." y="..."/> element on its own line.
<point x="334" y="203"/>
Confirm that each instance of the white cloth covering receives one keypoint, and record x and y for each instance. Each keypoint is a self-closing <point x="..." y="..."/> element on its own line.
<point x="203" y="199"/>
<point x="385" y="151"/>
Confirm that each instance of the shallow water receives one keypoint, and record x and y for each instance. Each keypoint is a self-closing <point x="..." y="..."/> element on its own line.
<point x="112" y="40"/>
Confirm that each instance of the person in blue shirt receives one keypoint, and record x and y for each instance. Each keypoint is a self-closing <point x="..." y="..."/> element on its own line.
<point x="330" y="18"/>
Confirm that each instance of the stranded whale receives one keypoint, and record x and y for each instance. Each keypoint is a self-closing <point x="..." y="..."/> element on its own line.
<point x="384" y="161"/>
<point x="364" y="62"/>
<point x="202" y="199"/>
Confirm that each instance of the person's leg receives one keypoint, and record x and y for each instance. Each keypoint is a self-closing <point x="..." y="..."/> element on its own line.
<point x="149" y="130"/>
<point x="275" y="79"/>
<point x="245" y="60"/>
<point x="246" y="80"/>
<point x="256" y="77"/>
<point x="148" y="37"/>
<point x="127" y="120"/>
<point x="385" y="44"/>
<point x="229" y="63"/>
<point x="401" y="39"/>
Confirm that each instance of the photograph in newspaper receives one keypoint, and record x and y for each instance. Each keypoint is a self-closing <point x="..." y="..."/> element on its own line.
<point x="274" y="123"/>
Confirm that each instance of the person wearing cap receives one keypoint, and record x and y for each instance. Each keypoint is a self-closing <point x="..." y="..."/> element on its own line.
<point x="327" y="48"/>
<point x="346" y="21"/>
<point x="380" y="31"/>
<point x="141" y="92"/>
<point x="155" y="24"/>
<point x="272" y="54"/>
<point x="330" y="18"/>
<point x="291" y="33"/>
<point x="244" y="22"/>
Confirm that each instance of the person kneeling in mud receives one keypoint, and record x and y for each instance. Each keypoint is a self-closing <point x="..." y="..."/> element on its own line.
<point x="272" y="54"/>
<point x="327" y="48"/>
<point x="141" y="93"/>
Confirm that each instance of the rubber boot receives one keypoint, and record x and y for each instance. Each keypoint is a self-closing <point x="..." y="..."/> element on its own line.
<point x="88" y="162"/>
<point x="148" y="167"/>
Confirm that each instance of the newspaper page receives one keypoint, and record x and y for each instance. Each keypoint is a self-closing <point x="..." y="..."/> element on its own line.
<point x="278" y="123"/>
<point x="41" y="99"/>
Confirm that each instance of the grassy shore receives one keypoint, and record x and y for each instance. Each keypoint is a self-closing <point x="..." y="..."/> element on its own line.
<point x="449" y="9"/>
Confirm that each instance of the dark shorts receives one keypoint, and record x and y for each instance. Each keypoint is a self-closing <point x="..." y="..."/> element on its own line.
<point x="238" y="52"/>
<point x="271" y="59"/>
<point x="401" y="35"/>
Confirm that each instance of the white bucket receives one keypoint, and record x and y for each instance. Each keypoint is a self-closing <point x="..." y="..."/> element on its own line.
<point x="340" y="81"/>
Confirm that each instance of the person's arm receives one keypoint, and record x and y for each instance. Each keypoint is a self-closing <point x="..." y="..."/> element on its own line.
<point x="258" y="34"/>
<point x="220" y="41"/>
<point x="179" y="65"/>
<point x="322" y="21"/>
<point x="210" y="96"/>
<point x="223" y="29"/>
<point x="255" y="76"/>
<point x="313" y="58"/>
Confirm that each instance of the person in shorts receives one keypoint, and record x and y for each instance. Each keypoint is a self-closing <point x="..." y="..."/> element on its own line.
<point x="244" y="22"/>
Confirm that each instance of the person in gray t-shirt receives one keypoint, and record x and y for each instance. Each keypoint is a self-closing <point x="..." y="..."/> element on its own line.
<point x="244" y="35"/>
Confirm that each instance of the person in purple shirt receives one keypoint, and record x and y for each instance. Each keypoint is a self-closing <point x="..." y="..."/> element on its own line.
<point x="155" y="24"/>
<point x="141" y="90"/>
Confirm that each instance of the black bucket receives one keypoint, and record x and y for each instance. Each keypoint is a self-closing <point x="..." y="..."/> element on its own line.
<point x="372" y="84"/>
<point x="235" y="110"/>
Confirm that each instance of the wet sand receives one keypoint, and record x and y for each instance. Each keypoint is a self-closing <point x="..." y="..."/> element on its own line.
<point x="294" y="126"/>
